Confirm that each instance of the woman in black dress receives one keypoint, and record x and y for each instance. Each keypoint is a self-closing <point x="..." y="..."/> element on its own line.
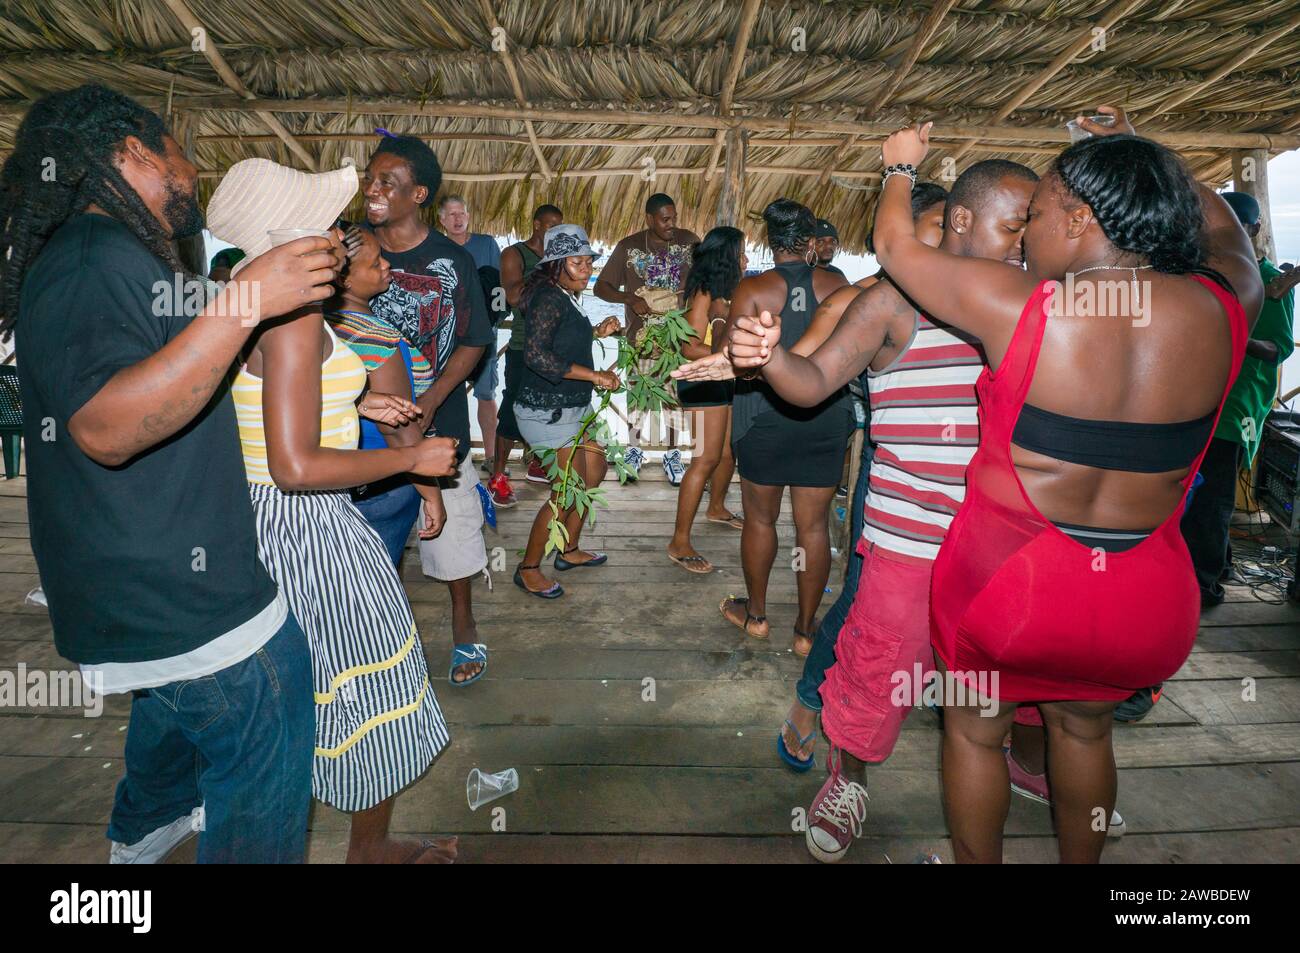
<point x="777" y="444"/>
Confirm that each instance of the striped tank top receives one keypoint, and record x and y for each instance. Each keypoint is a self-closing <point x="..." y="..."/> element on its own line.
<point x="925" y="426"/>
<point x="342" y="379"/>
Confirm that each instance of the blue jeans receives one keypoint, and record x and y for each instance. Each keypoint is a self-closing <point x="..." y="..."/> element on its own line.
<point x="240" y="743"/>
<point x="391" y="513"/>
<point x="822" y="656"/>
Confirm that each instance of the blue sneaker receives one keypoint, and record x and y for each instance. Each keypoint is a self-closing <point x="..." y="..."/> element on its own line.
<point x="674" y="467"/>
<point x="634" y="458"/>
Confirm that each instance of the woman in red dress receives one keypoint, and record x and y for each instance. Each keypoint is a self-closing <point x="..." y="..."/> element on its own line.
<point x="1064" y="579"/>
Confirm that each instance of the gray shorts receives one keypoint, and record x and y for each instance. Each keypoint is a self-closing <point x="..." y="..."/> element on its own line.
<point x="549" y="428"/>
<point x="458" y="551"/>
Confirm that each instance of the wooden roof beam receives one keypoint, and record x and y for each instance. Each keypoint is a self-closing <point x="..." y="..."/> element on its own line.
<point x="494" y="30"/>
<point x="1274" y="141"/>
<point x="622" y="142"/>
<point x="623" y="171"/>
<point x="1231" y="66"/>
<point x="1106" y="22"/>
<point x="209" y="49"/>
<point x="929" y="26"/>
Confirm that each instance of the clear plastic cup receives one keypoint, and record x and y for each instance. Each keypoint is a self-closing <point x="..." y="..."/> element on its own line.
<point x="1078" y="133"/>
<point x="483" y="788"/>
<point x="282" y="236"/>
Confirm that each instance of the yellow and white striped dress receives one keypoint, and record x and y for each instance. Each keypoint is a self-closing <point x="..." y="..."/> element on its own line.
<point x="378" y="724"/>
<point x="342" y="379"/>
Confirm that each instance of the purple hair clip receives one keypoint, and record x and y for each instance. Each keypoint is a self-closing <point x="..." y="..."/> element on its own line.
<point x="385" y="132"/>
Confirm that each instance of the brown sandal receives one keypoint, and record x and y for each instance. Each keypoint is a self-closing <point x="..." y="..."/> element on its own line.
<point x="743" y="601"/>
<point x="802" y="635"/>
<point x="689" y="563"/>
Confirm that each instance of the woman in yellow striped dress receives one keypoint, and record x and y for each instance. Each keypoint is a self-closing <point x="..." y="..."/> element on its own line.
<point x="378" y="724"/>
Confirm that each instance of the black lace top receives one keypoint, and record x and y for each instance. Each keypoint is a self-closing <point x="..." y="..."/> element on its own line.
<point x="556" y="336"/>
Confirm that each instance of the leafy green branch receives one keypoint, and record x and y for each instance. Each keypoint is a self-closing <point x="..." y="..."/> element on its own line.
<point x="644" y="366"/>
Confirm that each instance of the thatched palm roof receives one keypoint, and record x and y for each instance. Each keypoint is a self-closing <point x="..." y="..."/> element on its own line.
<point x="626" y="80"/>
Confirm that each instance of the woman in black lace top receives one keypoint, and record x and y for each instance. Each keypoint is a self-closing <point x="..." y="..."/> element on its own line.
<point x="555" y="392"/>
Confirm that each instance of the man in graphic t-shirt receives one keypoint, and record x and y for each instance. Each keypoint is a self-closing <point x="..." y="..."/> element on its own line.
<point x="658" y="256"/>
<point x="140" y="518"/>
<point x="436" y="303"/>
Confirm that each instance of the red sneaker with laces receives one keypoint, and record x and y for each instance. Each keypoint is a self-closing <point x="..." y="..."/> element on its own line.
<point x="536" y="474"/>
<point x="503" y="495"/>
<point x="836" y="817"/>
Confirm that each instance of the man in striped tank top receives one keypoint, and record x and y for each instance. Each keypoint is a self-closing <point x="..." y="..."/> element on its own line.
<point x="924" y="425"/>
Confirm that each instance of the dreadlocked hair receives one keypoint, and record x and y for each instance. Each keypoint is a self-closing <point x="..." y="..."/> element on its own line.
<point x="63" y="161"/>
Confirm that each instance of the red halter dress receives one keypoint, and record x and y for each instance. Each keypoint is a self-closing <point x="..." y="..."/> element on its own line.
<point x="1013" y="595"/>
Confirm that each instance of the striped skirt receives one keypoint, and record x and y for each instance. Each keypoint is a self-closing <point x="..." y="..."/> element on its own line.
<point x="378" y="724"/>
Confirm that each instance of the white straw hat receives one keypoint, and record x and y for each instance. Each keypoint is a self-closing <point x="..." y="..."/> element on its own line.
<point x="258" y="195"/>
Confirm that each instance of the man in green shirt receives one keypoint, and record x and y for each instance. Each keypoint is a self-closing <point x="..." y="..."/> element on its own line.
<point x="1236" y="439"/>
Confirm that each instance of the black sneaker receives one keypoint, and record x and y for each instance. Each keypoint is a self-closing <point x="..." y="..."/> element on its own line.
<point x="1139" y="704"/>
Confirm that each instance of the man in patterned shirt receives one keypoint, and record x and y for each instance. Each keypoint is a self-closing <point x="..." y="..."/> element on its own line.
<point x="658" y="256"/>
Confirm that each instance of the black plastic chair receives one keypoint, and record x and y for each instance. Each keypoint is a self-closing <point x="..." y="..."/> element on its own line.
<point x="11" y="419"/>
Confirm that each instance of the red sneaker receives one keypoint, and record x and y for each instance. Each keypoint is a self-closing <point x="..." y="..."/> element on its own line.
<point x="1036" y="788"/>
<point x="836" y="817"/>
<point x="536" y="474"/>
<point x="503" y="495"/>
<point x="1032" y="786"/>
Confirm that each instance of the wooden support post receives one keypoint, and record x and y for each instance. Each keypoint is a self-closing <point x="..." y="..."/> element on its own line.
<point x="731" y="203"/>
<point x="1250" y="175"/>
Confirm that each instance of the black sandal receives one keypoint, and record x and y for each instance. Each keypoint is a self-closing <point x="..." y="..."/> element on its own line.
<point x="743" y="601"/>
<point x="554" y="592"/>
<point x="562" y="564"/>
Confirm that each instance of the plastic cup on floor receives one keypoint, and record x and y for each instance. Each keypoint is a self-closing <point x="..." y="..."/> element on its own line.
<point x="483" y="788"/>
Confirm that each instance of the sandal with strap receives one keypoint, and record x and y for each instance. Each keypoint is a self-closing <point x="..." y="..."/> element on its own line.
<point x="467" y="653"/>
<point x="689" y="563"/>
<point x="810" y="636"/>
<point x="743" y="601"/>
<point x="734" y="521"/>
<point x="563" y="565"/>
<point x="796" y="763"/>
<point x="553" y="592"/>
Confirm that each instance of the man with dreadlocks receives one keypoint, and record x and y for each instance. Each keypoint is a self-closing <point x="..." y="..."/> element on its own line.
<point x="140" y="516"/>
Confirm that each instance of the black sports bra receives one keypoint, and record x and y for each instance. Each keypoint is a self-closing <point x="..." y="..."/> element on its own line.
<point x="1112" y="444"/>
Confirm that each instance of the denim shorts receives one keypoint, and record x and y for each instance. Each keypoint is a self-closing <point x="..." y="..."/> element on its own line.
<point x="486" y="376"/>
<point x="549" y="428"/>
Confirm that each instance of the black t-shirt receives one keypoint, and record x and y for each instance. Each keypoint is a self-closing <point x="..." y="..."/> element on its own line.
<point x="436" y="303"/>
<point x="158" y="556"/>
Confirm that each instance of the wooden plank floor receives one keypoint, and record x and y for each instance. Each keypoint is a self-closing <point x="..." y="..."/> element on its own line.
<point x="609" y="774"/>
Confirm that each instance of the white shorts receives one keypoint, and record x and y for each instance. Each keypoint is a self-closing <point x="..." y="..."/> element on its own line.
<point x="458" y="551"/>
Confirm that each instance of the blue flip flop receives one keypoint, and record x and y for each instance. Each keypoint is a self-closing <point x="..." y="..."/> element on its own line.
<point x="463" y="654"/>
<point x="790" y="760"/>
